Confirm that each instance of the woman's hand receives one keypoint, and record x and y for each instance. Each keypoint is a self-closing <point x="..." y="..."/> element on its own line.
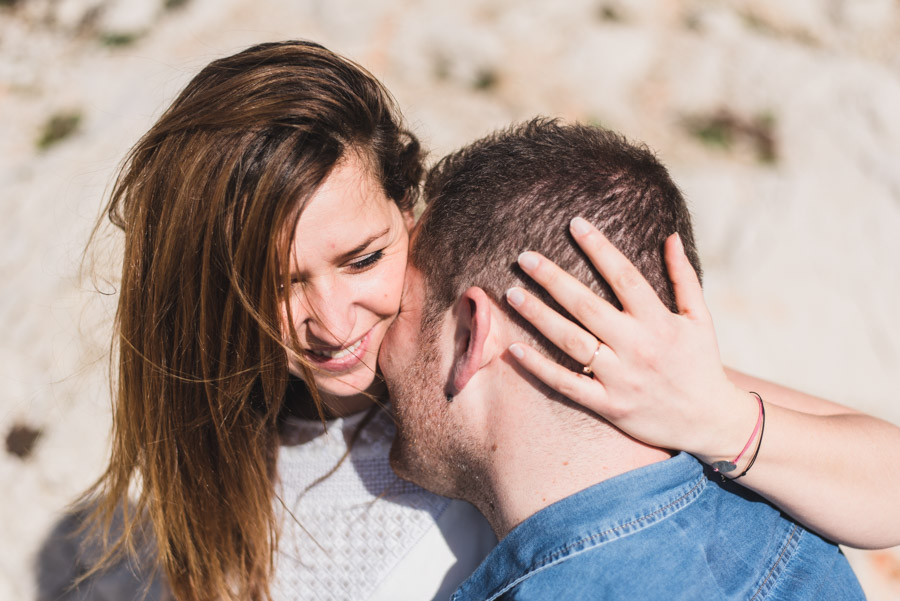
<point x="654" y="374"/>
<point x="657" y="376"/>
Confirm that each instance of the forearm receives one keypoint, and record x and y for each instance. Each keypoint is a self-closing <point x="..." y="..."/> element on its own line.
<point x="837" y="474"/>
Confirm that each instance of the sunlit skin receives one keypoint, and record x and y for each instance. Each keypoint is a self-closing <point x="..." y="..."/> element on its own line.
<point x="434" y="446"/>
<point x="348" y="259"/>
<point x="411" y="367"/>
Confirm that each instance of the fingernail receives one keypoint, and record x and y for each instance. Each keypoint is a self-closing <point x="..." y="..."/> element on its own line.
<point x="679" y="243"/>
<point x="528" y="261"/>
<point x="579" y="226"/>
<point x="515" y="297"/>
<point x="516" y="351"/>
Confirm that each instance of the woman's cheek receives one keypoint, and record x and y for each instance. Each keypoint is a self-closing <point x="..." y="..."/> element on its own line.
<point x="391" y="285"/>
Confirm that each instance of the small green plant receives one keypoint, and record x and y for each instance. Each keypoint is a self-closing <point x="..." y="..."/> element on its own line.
<point x="59" y="127"/>
<point x="712" y="131"/>
<point x="757" y="23"/>
<point x="174" y="4"/>
<point x="486" y="79"/>
<point x="441" y="67"/>
<point x="760" y="25"/>
<point x="118" y="39"/>
<point x="692" y="21"/>
<point x="610" y="13"/>
<point x="763" y="132"/>
<point x="724" y="130"/>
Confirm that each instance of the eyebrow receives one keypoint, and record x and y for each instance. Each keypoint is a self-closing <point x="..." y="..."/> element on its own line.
<point x="364" y="245"/>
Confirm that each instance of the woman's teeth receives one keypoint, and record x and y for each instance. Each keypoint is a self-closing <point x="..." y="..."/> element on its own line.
<point x="339" y="354"/>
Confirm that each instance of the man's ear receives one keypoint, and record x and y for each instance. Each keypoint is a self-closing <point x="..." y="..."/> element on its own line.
<point x="472" y="349"/>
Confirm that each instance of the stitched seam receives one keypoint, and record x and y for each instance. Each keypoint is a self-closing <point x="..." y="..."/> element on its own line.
<point x="553" y="557"/>
<point x="644" y="518"/>
<point x="777" y="563"/>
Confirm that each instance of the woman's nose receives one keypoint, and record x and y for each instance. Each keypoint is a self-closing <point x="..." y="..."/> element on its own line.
<point x="328" y="311"/>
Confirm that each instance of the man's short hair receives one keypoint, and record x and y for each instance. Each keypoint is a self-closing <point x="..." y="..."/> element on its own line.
<point x="517" y="190"/>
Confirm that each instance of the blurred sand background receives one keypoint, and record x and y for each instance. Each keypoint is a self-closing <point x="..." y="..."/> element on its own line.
<point x="780" y="120"/>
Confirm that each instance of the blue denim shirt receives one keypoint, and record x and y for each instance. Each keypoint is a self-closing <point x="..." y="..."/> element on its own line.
<point x="665" y="531"/>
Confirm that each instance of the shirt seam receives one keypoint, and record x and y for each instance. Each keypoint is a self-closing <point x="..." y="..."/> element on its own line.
<point x="775" y="566"/>
<point x="557" y="555"/>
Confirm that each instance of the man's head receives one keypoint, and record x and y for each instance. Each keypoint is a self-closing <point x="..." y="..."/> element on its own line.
<point x="512" y="191"/>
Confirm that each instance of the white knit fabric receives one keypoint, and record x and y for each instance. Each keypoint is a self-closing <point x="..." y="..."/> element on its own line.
<point x="354" y="528"/>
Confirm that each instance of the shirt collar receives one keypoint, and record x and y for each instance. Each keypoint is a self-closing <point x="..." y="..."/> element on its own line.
<point x="602" y="512"/>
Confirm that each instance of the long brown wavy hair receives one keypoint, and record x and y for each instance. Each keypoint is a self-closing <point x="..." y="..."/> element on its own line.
<point x="208" y="200"/>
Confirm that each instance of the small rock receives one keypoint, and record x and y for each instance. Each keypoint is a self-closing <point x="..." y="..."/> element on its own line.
<point x="21" y="440"/>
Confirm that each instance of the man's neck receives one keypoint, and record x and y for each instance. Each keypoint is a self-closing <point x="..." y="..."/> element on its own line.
<point x="541" y="461"/>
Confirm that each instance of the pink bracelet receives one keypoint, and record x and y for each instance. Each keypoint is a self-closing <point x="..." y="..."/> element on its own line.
<point x="730" y="466"/>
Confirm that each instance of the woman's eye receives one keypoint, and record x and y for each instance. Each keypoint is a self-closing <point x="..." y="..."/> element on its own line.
<point x="366" y="261"/>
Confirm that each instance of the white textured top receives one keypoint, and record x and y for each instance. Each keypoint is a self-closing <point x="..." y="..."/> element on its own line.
<point x="362" y="533"/>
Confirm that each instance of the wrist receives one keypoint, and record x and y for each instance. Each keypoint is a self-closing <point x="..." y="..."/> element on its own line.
<point x="733" y="429"/>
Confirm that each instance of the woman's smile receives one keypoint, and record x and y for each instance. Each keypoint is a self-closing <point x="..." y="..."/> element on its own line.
<point x="340" y="359"/>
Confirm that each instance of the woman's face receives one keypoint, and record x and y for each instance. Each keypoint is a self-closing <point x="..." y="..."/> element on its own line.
<point x="348" y="258"/>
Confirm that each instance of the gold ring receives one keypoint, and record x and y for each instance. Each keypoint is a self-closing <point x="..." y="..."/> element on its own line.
<point x="586" y="370"/>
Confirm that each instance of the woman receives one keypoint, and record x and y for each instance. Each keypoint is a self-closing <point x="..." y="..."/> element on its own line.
<point x="266" y="220"/>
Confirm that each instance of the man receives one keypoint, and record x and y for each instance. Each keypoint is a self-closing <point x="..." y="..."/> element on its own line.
<point x="582" y="510"/>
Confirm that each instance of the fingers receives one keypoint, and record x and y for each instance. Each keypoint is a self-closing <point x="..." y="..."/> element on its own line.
<point x="580" y="388"/>
<point x="569" y="337"/>
<point x="685" y="283"/>
<point x="632" y="290"/>
<point x="594" y="312"/>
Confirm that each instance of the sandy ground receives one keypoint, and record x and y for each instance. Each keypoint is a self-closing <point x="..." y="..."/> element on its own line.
<point x="779" y="120"/>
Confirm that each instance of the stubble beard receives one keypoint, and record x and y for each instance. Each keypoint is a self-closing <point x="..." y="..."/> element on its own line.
<point x="430" y="449"/>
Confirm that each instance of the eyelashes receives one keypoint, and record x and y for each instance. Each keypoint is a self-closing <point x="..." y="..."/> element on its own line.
<point x="366" y="261"/>
<point x="358" y="265"/>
